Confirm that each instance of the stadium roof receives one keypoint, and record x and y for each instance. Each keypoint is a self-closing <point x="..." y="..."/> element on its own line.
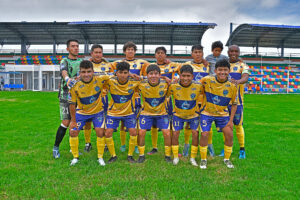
<point x="102" y="32"/>
<point x="265" y="35"/>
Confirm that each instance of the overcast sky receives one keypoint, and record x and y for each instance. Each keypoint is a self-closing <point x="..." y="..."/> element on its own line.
<point x="220" y="12"/>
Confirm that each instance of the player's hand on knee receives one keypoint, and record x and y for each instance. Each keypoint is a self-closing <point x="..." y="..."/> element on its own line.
<point x="230" y="125"/>
<point x="73" y="125"/>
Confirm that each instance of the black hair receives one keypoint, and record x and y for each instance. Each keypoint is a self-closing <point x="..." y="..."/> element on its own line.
<point x="186" y="68"/>
<point x="217" y="44"/>
<point x="222" y="63"/>
<point x="71" y="40"/>
<point x="123" y="66"/>
<point x="197" y="47"/>
<point x="86" y="64"/>
<point x="96" y="46"/>
<point x="161" y="49"/>
<point x="153" y="67"/>
<point x="129" y="45"/>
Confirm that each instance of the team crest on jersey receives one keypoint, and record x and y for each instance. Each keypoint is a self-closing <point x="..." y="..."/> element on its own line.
<point x="235" y="69"/>
<point x="134" y="66"/>
<point x="166" y="70"/>
<point x="97" y="88"/>
<point x="161" y="93"/>
<point x="225" y="92"/>
<point x="198" y="77"/>
<point x="92" y="99"/>
<point x="103" y="68"/>
<point x="204" y="69"/>
<point x="193" y="95"/>
<point x="154" y="103"/>
<point x="216" y="100"/>
<point x="130" y="91"/>
<point x="172" y="67"/>
<point x="185" y="105"/>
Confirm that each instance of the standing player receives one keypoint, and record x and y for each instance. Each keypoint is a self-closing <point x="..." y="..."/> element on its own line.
<point x="138" y="67"/>
<point x="216" y="48"/>
<point x="239" y="73"/>
<point x="153" y="91"/>
<point x="168" y="69"/>
<point x="185" y="96"/>
<point x="121" y="108"/>
<point x="86" y="94"/>
<point x="69" y="68"/>
<point x="218" y="93"/>
<point x="199" y="71"/>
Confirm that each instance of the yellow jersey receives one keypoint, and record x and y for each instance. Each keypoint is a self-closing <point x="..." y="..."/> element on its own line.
<point x="101" y="67"/>
<point x="237" y="69"/>
<point x="185" y="99"/>
<point x="169" y="70"/>
<point x="137" y="66"/>
<point x="217" y="96"/>
<point x="122" y="97"/>
<point x="87" y="96"/>
<point x="153" y="97"/>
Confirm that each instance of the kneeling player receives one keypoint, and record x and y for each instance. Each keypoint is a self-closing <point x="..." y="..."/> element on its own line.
<point x="218" y="94"/>
<point x="153" y="112"/>
<point x="185" y="96"/>
<point x="121" y="108"/>
<point x="87" y="95"/>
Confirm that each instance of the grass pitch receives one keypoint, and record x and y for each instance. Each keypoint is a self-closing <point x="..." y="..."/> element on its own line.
<point x="28" y="124"/>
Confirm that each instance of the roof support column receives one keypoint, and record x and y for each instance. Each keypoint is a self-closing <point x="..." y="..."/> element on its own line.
<point x="54" y="47"/>
<point x="282" y="48"/>
<point x="23" y="46"/>
<point x="256" y="48"/>
<point x="143" y="39"/>
<point x="86" y="47"/>
<point x="115" y="45"/>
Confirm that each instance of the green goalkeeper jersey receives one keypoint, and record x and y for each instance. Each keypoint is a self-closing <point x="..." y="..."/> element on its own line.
<point x="72" y="67"/>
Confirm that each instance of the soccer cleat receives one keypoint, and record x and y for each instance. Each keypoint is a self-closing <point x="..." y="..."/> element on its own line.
<point x="228" y="164"/>
<point x="185" y="152"/>
<point x="123" y="148"/>
<point x="88" y="147"/>
<point x="168" y="159"/>
<point x="112" y="159"/>
<point x="222" y="153"/>
<point x="203" y="164"/>
<point x="74" y="161"/>
<point x="175" y="161"/>
<point x="141" y="159"/>
<point x="242" y="154"/>
<point x="153" y="151"/>
<point x="136" y="150"/>
<point x="193" y="162"/>
<point x="56" y="153"/>
<point x="211" y="150"/>
<point x="131" y="159"/>
<point x="101" y="162"/>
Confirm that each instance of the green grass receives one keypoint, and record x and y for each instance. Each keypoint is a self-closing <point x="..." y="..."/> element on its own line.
<point x="28" y="124"/>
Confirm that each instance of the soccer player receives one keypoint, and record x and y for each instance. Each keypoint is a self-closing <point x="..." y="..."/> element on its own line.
<point x="153" y="91"/>
<point x="121" y="108"/>
<point x="218" y="93"/>
<point x="239" y="73"/>
<point x="199" y="71"/>
<point x="185" y="96"/>
<point x="168" y="69"/>
<point x="216" y="48"/>
<point x="137" y="66"/>
<point x="86" y="94"/>
<point x="69" y="68"/>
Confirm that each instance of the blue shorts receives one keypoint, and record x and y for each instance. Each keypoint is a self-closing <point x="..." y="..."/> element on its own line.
<point x="159" y="121"/>
<point x="179" y="122"/>
<point x="113" y="122"/>
<point x="105" y="104"/>
<point x="238" y="117"/>
<point x="206" y="121"/>
<point x="97" y="119"/>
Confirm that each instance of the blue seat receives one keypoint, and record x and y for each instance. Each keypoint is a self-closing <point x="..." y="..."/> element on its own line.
<point x="21" y="86"/>
<point x="6" y="86"/>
